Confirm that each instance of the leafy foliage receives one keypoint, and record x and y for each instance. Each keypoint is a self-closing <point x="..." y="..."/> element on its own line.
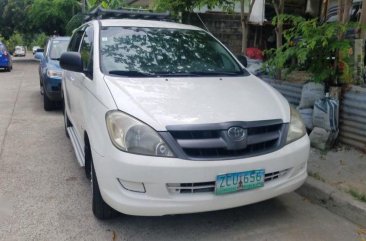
<point x="13" y="17"/>
<point x="74" y="23"/>
<point x="312" y="47"/>
<point x="14" y="40"/>
<point x="108" y="4"/>
<point x="52" y="15"/>
<point x="40" y="40"/>
<point x="24" y="40"/>
<point x="188" y="5"/>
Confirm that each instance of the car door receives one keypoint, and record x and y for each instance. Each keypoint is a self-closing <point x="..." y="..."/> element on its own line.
<point x="81" y="79"/>
<point x="71" y="81"/>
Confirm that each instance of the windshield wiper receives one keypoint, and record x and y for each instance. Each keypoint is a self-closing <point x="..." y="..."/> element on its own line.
<point x="130" y="73"/>
<point x="176" y="74"/>
<point x="56" y="59"/>
<point x="216" y="73"/>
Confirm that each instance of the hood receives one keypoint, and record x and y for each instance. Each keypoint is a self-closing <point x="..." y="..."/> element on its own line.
<point x="53" y="64"/>
<point x="160" y="102"/>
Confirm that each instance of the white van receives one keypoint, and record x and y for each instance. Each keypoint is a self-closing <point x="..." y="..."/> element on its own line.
<point x="166" y="120"/>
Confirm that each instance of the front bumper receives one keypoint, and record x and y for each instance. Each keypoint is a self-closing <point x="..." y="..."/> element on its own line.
<point x="53" y="88"/>
<point x="156" y="173"/>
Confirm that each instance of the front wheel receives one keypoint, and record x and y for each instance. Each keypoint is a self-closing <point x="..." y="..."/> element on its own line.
<point x="48" y="104"/>
<point x="41" y="90"/>
<point x="67" y="122"/>
<point x="101" y="209"/>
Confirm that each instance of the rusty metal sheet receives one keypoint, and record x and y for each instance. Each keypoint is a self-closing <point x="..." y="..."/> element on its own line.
<point x="291" y="91"/>
<point x="353" y="118"/>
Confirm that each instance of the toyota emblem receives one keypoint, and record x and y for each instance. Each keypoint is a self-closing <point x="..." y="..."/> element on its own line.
<point x="236" y="133"/>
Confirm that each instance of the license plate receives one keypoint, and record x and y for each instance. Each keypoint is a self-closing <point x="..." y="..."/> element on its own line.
<point x="239" y="181"/>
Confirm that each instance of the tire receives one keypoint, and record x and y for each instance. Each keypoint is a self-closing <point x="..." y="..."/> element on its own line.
<point x="88" y="160"/>
<point x="66" y="121"/>
<point x="101" y="210"/>
<point x="41" y="90"/>
<point x="47" y="103"/>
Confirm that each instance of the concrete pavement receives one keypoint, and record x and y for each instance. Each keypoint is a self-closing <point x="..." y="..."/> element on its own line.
<point x="44" y="194"/>
<point x="338" y="182"/>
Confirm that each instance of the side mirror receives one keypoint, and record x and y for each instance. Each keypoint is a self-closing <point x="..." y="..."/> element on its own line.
<point x="243" y="60"/>
<point x="71" y="61"/>
<point x="39" y="56"/>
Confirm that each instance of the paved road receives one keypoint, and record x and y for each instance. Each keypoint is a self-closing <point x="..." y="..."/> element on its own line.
<point x="44" y="194"/>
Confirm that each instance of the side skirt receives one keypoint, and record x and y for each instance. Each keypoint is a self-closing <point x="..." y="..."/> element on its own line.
<point x="79" y="152"/>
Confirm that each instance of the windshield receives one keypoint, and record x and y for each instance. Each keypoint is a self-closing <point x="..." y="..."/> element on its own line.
<point x="135" y="51"/>
<point x="58" y="47"/>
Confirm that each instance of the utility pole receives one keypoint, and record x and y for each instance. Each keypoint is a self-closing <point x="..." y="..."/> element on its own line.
<point x="83" y="3"/>
<point x="363" y="20"/>
<point x="279" y="7"/>
<point x="324" y="10"/>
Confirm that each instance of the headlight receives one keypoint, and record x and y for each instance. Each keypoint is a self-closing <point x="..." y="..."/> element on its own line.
<point x="297" y="128"/>
<point x="54" y="73"/>
<point x="131" y="135"/>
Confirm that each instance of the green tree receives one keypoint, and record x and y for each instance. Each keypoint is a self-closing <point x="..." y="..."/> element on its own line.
<point x="108" y="4"/>
<point x="14" y="16"/>
<point x="188" y="5"/>
<point x="52" y="15"/>
<point x="14" y="40"/>
<point x="78" y="18"/>
<point x="39" y="40"/>
<point x="313" y="47"/>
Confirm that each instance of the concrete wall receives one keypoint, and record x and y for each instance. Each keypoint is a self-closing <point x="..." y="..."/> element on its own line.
<point x="225" y="27"/>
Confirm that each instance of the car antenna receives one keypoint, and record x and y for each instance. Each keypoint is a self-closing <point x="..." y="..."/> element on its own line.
<point x="203" y="23"/>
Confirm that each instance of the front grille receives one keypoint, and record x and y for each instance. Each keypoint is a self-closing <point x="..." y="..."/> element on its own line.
<point x="197" y="187"/>
<point x="209" y="142"/>
<point x="209" y="187"/>
<point x="222" y="152"/>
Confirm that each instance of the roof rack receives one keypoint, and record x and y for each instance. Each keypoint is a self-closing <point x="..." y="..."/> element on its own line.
<point x="130" y="13"/>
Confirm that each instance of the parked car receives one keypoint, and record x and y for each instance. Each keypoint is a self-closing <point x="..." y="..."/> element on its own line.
<point x="19" y="51"/>
<point x="50" y="72"/>
<point x="166" y="120"/>
<point x="34" y="49"/>
<point x="5" y="58"/>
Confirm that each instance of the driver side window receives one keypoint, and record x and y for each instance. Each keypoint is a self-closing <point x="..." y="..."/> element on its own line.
<point x="86" y="51"/>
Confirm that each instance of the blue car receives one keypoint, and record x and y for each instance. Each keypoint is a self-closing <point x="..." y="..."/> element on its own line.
<point x="5" y="58"/>
<point x="50" y="72"/>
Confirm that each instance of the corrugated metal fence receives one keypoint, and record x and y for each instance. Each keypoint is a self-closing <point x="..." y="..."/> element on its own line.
<point x="291" y="91"/>
<point x="352" y="116"/>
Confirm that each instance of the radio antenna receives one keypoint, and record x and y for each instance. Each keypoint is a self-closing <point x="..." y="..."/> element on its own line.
<point x="203" y="23"/>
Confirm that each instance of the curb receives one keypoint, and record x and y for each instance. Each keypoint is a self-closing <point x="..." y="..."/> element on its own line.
<point x="334" y="200"/>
